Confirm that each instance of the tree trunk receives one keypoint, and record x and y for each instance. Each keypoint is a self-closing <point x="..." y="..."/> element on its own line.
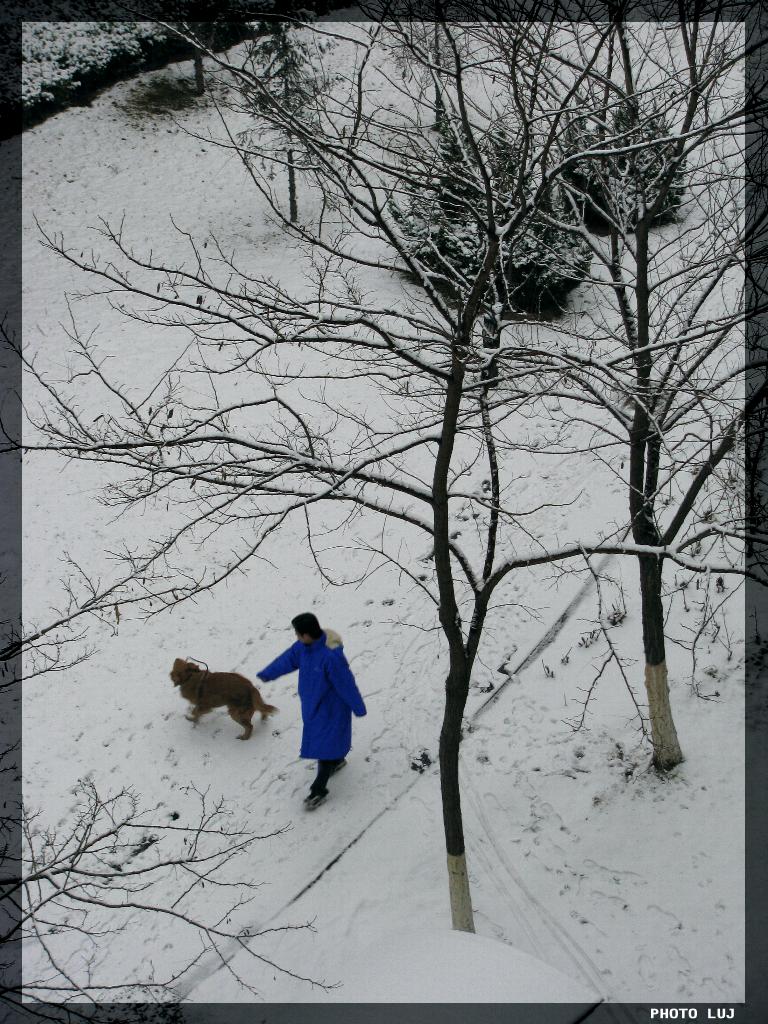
<point x="644" y="461"/>
<point x="491" y="341"/>
<point x="666" y="748"/>
<point x="462" y="919"/>
<point x="199" y="79"/>
<point x="456" y="689"/>
<point x="439" y="106"/>
<point x="294" y="209"/>
<point x="457" y="683"/>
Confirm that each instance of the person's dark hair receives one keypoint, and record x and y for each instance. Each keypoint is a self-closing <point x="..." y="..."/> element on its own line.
<point x="307" y="625"/>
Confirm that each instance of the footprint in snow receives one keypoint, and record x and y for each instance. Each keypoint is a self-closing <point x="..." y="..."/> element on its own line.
<point x="578" y="917"/>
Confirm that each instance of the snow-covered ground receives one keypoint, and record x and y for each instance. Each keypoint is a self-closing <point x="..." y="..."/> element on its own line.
<point x="628" y="884"/>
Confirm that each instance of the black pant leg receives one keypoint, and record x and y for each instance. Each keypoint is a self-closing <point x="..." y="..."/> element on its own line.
<point x="324" y="768"/>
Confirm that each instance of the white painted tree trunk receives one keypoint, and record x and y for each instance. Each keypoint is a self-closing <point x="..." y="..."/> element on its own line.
<point x="666" y="747"/>
<point x="458" y="887"/>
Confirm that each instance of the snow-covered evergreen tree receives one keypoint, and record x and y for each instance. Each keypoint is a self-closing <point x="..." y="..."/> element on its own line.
<point x="628" y="182"/>
<point x="290" y="76"/>
<point x="440" y="225"/>
<point x="537" y="267"/>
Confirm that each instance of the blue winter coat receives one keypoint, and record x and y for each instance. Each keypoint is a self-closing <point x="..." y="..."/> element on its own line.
<point x="328" y="694"/>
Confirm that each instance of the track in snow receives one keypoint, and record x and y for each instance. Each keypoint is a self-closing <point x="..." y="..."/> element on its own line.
<point x="529" y="911"/>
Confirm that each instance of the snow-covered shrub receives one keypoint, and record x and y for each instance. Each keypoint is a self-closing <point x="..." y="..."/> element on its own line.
<point x="544" y="265"/>
<point x="57" y="55"/>
<point x="66" y="62"/>
<point x="622" y="185"/>
<point x="538" y="266"/>
<point x="441" y="226"/>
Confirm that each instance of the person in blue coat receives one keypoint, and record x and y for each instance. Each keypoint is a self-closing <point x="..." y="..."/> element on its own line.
<point x="329" y="697"/>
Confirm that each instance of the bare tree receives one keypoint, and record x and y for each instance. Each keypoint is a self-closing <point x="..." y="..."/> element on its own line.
<point x="397" y="444"/>
<point x="112" y="867"/>
<point x="665" y="356"/>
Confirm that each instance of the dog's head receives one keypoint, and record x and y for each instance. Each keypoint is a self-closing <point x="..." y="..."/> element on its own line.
<point x="182" y="670"/>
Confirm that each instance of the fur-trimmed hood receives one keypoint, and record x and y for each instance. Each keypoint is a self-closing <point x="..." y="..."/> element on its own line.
<point x="332" y="639"/>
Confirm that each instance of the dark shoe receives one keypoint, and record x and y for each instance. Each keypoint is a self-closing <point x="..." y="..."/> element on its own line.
<point x="314" y="800"/>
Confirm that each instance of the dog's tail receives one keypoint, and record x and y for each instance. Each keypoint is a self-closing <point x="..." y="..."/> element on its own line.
<point x="265" y="709"/>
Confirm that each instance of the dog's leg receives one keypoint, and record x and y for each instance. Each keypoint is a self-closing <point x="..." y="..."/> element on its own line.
<point x="242" y="718"/>
<point x="193" y="716"/>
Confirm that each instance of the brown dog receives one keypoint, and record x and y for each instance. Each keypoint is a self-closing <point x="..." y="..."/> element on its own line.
<point x="208" y="690"/>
